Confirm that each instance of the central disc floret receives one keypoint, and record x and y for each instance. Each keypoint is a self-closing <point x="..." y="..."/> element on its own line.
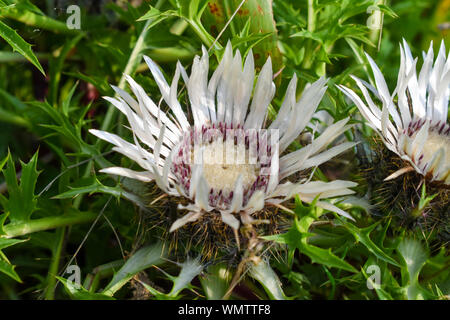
<point x="223" y="164"/>
<point x="228" y="156"/>
<point x="434" y="143"/>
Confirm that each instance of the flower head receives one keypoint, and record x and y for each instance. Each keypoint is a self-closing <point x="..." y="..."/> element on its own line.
<point x="413" y="120"/>
<point x="226" y="161"/>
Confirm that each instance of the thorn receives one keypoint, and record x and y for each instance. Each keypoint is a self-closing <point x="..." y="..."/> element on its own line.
<point x="399" y="173"/>
<point x="278" y="72"/>
<point x="159" y="198"/>
<point x="236" y="235"/>
<point x="283" y="208"/>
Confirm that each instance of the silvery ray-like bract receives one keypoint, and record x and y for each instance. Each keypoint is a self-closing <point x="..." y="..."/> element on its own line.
<point x="413" y="120"/>
<point x="227" y="116"/>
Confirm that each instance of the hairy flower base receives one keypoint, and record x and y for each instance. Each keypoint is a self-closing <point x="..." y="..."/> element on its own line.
<point x="207" y="236"/>
<point x="399" y="197"/>
<point x="225" y="155"/>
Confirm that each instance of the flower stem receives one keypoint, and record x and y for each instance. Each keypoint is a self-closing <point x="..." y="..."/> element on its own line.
<point x="38" y="21"/>
<point x="20" y="229"/>
<point x="54" y="265"/>
<point x="311" y="16"/>
<point x="377" y="30"/>
<point x="308" y="59"/>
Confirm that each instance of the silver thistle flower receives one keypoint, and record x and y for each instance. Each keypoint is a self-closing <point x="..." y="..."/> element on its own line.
<point x="418" y="132"/>
<point x="182" y="159"/>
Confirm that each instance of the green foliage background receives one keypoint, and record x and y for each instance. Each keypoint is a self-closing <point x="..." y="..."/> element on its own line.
<point x="57" y="212"/>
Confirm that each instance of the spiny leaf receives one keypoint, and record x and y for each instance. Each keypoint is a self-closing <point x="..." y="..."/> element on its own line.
<point x="3" y="162"/>
<point x="382" y="294"/>
<point x="19" y="45"/>
<point x="141" y="260"/>
<point x="363" y="235"/>
<point x="94" y="187"/>
<point x="5" y="266"/>
<point x="298" y="234"/>
<point x="80" y="293"/>
<point x="3" y="216"/>
<point x="158" y="295"/>
<point x="21" y="199"/>
<point x="157" y="16"/>
<point x="189" y="270"/>
<point x="387" y="10"/>
<point x="68" y="99"/>
<point x="56" y="66"/>
<point x="415" y="257"/>
<point x="265" y="275"/>
<point x="29" y="14"/>
<point x="324" y="256"/>
<point x="5" y="243"/>
<point x="8" y="269"/>
<point x="215" y="283"/>
<point x="298" y="240"/>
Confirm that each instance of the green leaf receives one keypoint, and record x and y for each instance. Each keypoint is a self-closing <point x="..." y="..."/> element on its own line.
<point x="5" y="266"/>
<point x="3" y="162"/>
<point x="56" y="66"/>
<point x="189" y="270"/>
<point x="29" y="14"/>
<point x="3" y="216"/>
<point x="21" y="199"/>
<point x="25" y="4"/>
<point x="298" y="235"/>
<point x="5" y="243"/>
<point x="61" y="123"/>
<point x="19" y="45"/>
<point x="10" y="117"/>
<point x="5" y="5"/>
<point x="12" y="110"/>
<point x="13" y="101"/>
<point x="151" y="14"/>
<point x="157" y="16"/>
<point x="363" y="235"/>
<point x="80" y="293"/>
<point x="192" y="11"/>
<point x="423" y="202"/>
<point x="388" y="288"/>
<point x="68" y="99"/>
<point x="100" y="83"/>
<point x="387" y="10"/>
<point x="264" y="274"/>
<point x="325" y="257"/>
<point x="158" y="295"/>
<point x="95" y="187"/>
<point x="309" y="35"/>
<point x="216" y="282"/>
<point x="141" y="260"/>
<point x="8" y="269"/>
<point x="415" y="257"/>
<point x="382" y="294"/>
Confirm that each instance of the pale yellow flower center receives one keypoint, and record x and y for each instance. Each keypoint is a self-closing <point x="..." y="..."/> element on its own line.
<point x="433" y="144"/>
<point x="224" y="163"/>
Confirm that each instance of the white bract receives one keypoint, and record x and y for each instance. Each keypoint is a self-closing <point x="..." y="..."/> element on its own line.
<point x="413" y="120"/>
<point x="226" y="161"/>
